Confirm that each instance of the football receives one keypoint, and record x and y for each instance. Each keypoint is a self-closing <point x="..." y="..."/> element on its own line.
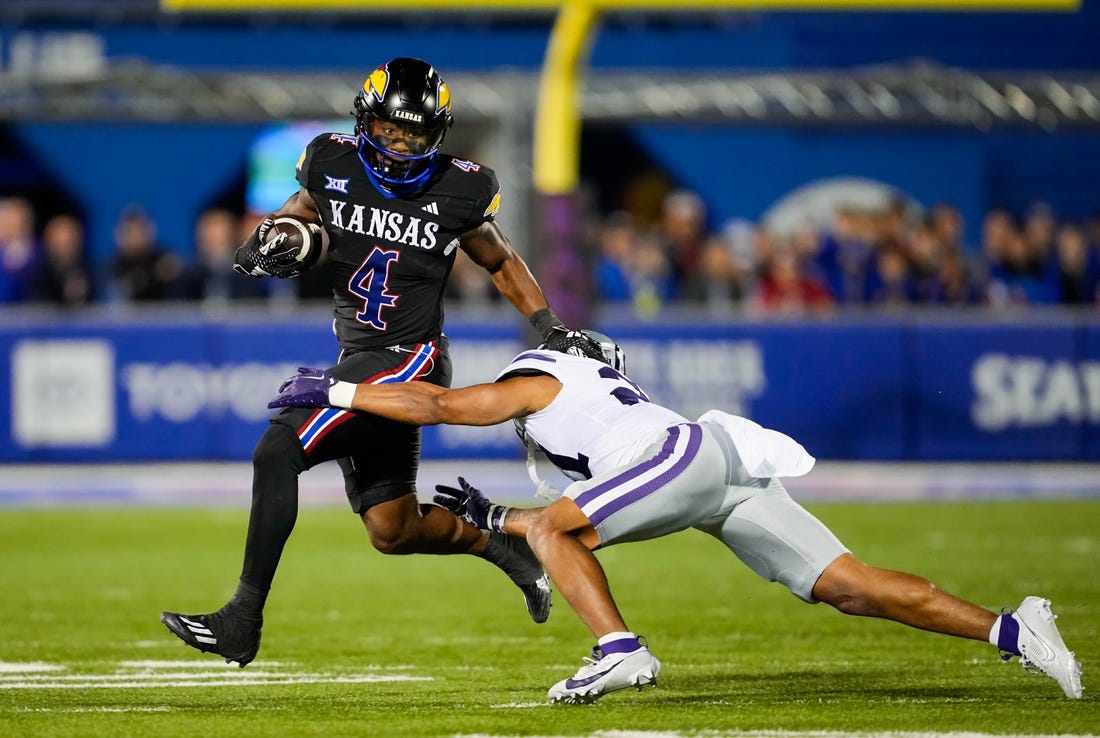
<point x="296" y="240"/>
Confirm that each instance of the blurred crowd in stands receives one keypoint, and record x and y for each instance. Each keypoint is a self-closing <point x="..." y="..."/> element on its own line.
<point x="49" y="264"/>
<point x="893" y="256"/>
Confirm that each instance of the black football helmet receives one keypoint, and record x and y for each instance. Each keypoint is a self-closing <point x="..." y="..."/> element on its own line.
<point x="411" y="94"/>
<point x="593" y="344"/>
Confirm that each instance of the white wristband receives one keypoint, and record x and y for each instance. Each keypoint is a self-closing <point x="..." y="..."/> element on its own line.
<point x="341" y="394"/>
<point x="495" y="518"/>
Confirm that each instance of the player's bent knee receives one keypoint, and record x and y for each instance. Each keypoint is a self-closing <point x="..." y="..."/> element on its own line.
<point x="390" y="527"/>
<point x="279" y="445"/>
<point x="541" y="530"/>
<point x="389" y="535"/>
<point x="538" y="530"/>
<point x="391" y="542"/>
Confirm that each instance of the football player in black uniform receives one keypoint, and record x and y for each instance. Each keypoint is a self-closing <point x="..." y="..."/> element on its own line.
<point x="395" y="210"/>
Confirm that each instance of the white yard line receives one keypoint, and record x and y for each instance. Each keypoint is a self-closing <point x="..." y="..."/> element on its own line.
<point x="106" y="683"/>
<point x="174" y="674"/>
<point x="93" y="709"/>
<point x="28" y="667"/>
<point x="186" y="664"/>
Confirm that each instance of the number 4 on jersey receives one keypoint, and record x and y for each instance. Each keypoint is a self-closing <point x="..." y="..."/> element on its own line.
<point x="370" y="282"/>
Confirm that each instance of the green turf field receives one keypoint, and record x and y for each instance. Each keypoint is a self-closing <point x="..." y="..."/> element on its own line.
<point x="361" y="644"/>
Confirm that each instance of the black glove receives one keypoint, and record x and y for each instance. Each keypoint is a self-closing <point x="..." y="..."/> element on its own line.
<point x="259" y="257"/>
<point x="469" y="504"/>
<point x="574" y="343"/>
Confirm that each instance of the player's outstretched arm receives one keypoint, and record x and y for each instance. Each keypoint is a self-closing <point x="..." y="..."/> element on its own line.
<point x="421" y="403"/>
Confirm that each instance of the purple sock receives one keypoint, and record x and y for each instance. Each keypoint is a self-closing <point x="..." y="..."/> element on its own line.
<point x="1009" y="637"/>
<point x="620" y="645"/>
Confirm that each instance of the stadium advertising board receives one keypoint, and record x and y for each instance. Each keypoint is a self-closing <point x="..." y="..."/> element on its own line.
<point x="869" y="390"/>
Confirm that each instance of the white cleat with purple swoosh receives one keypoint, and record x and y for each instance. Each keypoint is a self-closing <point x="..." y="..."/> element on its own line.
<point x="607" y="672"/>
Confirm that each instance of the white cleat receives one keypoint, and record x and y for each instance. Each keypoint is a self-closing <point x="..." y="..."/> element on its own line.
<point x="1042" y="648"/>
<point x="603" y="674"/>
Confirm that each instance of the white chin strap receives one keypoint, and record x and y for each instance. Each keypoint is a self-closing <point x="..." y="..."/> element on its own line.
<point x="542" y="487"/>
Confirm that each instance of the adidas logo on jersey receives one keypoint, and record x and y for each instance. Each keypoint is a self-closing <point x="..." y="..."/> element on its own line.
<point x="432" y="208"/>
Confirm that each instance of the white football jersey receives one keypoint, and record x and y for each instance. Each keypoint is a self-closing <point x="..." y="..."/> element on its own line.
<point x="599" y="421"/>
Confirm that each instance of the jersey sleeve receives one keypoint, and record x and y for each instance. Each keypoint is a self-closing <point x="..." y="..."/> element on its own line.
<point x="487" y="202"/>
<point x="305" y="161"/>
<point x="536" y="360"/>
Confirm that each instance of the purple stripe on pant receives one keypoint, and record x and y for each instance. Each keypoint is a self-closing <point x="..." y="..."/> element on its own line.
<point x="664" y="456"/>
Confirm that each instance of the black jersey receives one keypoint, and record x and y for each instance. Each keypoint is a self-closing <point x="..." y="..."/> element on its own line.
<point x="391" y="256"/>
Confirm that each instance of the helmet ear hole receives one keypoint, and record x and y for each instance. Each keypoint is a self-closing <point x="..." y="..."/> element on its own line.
<point x="360" y="114"/>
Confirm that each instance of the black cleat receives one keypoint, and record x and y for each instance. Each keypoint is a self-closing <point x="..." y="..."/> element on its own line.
<point x="518" y="561"/>
<point x="234" y="637"/>
<point x="537" y="598"/>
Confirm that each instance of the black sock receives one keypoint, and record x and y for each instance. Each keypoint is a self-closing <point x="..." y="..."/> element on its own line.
<point x="247" y="600"/>
<point x="277" y="461"/>
<point x="514" y="556"/>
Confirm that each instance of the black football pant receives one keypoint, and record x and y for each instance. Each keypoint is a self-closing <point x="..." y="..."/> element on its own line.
<point x="379" y="457"/>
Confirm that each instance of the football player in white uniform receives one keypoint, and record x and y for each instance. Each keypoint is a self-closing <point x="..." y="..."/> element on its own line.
<point x="643" y="471"/>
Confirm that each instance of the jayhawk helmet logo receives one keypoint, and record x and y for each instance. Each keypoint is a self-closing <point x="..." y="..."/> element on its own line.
<point x="375" y="84"/>
<point x="443" y="99"/>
